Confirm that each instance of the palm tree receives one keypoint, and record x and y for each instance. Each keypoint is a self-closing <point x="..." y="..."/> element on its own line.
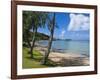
<point x="38" y="20"/>
<point x="34" y="20"/>
<point x="51" y="25"/>
<point x="26" y="27"/>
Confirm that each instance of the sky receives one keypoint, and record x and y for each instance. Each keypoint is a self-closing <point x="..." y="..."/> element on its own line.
<point x="75" y="26"/>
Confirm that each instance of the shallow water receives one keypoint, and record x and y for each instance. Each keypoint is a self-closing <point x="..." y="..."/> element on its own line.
<point x="76" y="47"/>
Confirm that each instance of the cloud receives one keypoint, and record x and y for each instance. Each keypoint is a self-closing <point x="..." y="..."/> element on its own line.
<point x="62" y="34"/>
<point x="78" y="22"/>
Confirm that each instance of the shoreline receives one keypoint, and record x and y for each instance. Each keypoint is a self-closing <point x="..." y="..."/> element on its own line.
<point x="55" y="49"/>
<point x="65" y="59"/>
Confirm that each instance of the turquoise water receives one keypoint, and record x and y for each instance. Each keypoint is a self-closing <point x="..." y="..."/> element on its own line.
<point x="76" y="47"/>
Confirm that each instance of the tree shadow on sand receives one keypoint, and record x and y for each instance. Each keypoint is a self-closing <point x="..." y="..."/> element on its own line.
<point x="73" y="62"/>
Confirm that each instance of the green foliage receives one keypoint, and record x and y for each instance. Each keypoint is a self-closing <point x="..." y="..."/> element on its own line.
<point x="31" y="21"/>
<point x="26" y="25"/>
<point x="34" y="19"/>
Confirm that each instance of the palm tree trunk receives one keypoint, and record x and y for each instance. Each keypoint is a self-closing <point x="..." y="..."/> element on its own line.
<point x="50" y="41"/>
<point x="48" y="51"/>
<point x="33" y="43"/>
<point x="28" y="42"/>
<point x="26" y="38"/>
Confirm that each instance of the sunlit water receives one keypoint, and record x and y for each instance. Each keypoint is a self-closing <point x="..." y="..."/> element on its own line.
<point x="75" y="47"/>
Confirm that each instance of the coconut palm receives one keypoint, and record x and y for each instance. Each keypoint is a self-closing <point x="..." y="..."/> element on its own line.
<point x="26" y="27"/>
<point x="32" y="21"/>
<point x="51" y="26"/>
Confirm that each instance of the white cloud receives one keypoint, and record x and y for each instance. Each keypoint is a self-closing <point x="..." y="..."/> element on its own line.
<point x="62" y="34"/>
<point x="78" y="22"/>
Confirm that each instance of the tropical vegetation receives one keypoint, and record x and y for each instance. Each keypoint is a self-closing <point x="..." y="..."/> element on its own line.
<point x="31" y="22"/>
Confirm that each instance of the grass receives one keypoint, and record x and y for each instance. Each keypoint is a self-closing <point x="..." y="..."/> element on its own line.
<point x="36" y="62"/>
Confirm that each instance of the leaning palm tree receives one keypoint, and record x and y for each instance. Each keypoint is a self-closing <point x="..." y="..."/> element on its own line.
<point x="51" y="26"/>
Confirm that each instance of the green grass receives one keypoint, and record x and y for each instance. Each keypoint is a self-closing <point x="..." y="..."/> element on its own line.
<point x="36" y="62"/>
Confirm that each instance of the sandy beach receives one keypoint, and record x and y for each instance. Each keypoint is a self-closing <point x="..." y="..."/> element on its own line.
<point x="65" y="59"/>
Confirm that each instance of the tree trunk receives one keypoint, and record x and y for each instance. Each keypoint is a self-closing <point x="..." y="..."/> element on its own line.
<point x="26" y="38"/>
<point x="33" y="43"/>
<point x="28" y="42"/>
<point x="48" y="51"/>
<point x="50" y="41"/>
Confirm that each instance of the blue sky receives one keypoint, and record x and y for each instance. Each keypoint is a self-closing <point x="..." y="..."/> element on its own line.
<point x="73" y="26"/>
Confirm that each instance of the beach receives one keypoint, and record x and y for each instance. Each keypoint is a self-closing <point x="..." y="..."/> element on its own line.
<point x="65" y="59"/>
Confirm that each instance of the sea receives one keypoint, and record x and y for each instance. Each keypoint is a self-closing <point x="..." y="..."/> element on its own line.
<point x="71" y="46"/>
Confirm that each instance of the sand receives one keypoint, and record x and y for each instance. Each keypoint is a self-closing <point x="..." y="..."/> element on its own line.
<point x="65" y="59"/>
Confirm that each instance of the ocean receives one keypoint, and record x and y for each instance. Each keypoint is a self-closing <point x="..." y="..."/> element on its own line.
<point x="71" y="46"/>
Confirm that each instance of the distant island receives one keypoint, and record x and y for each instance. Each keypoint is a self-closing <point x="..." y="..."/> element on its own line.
<point x="62" y="39"/>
